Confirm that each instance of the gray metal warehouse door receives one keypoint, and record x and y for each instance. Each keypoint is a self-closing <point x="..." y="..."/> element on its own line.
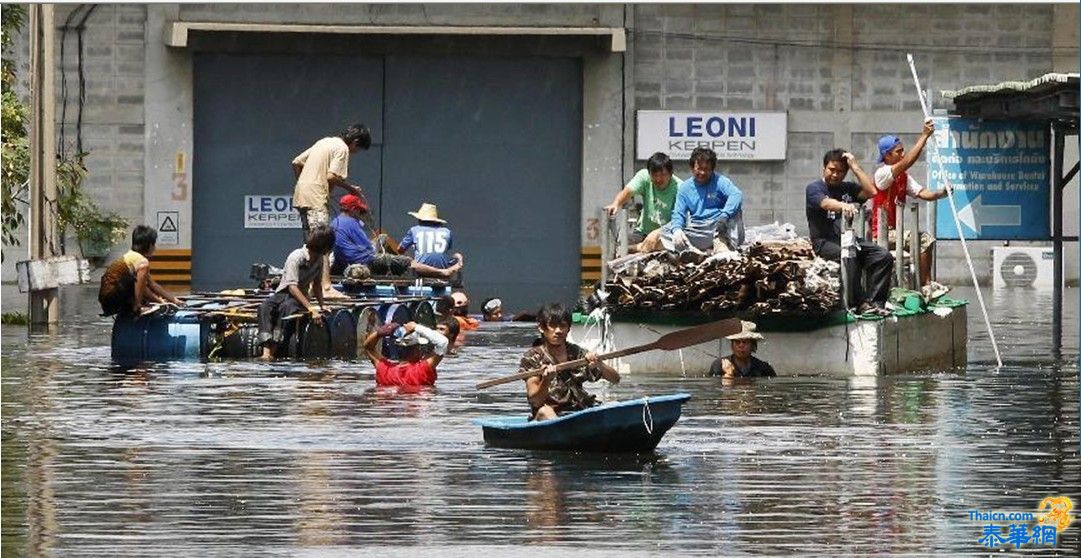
<point x="253" y="114"/>
<point x="496" y="144"/>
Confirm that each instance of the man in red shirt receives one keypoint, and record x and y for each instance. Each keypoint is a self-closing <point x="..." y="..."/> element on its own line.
<point x="894" y="184"/>
<point x="420" y="347"/>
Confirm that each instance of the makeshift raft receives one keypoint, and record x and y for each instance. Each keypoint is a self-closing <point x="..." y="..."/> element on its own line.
<point x="793" y="297"/>
<point x="216" y="325"/>
<point x="837" y="344"/>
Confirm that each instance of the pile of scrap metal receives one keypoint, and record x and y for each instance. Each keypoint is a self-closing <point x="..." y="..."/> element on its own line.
<point x="772" y="277"/>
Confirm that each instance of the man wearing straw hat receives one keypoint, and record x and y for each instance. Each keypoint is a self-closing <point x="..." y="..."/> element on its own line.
<point x="431" y="241"/>
<point x="741" y="363"/>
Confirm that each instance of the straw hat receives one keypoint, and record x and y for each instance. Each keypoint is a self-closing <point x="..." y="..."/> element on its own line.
<point x="427" y="212"/>
<point x="748" y="332"/>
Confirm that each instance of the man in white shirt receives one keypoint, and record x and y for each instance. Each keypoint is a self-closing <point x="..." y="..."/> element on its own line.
<point x="894" y="185"/>
<point x="322" y="166"/>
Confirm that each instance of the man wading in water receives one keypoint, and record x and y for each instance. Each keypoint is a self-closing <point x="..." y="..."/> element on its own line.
<point x="555" y="393"/>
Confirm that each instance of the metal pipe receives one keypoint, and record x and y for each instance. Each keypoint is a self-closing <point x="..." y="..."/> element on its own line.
<point x="607" y="253"/>
<point x="861" y="222"/>
<point x="914" y="247"/>
<point x="1056" y="235"/>
<point x="957" y="223"/>
<point x="883" y="229"/>
<point x="899" y="244"/>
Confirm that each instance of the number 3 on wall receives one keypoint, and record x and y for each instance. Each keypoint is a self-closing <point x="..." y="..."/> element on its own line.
<point x="593" y="228"/>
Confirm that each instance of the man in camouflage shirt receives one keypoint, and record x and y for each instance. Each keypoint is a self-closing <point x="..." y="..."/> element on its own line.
<point x="555" y="393"/>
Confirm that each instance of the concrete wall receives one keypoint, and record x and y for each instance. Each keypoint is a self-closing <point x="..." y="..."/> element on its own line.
<point x="837" y="69"/>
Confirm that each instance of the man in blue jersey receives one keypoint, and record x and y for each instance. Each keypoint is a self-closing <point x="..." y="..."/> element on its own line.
<point x="708" y="206"/>
<point x="351" y="242"/>
<point x="431" y="242"/>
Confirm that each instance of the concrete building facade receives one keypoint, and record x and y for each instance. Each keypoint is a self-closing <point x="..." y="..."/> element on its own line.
<point x="838" y="71"/>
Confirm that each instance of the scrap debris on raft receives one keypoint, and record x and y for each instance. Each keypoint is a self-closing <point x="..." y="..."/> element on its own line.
<point x="773" y="274"/>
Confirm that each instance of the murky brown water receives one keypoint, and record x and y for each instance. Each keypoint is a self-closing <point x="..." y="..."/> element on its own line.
<point x="240" y="458"/>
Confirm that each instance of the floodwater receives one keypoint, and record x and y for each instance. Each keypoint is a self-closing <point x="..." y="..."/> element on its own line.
<point x="297" y="459"/>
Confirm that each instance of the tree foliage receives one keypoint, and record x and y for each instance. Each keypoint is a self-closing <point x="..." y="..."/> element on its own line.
<point x="94" y="230"/>
<point x="15" y="169"/>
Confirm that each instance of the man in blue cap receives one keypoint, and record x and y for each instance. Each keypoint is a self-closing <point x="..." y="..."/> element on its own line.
<point x="894" y="184"/>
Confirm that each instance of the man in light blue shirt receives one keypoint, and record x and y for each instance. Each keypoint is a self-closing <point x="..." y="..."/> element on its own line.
<point x="707" y="205"/>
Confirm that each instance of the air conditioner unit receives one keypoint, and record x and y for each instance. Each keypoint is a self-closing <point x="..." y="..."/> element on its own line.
<point x="1029" y="267"/>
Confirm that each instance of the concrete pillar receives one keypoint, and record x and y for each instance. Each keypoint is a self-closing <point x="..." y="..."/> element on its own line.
<point x="45" y="304"/>
<point x="168" y="128"/>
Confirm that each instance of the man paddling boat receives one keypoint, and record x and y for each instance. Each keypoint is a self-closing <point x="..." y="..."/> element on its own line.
<point x="554" y="393"/>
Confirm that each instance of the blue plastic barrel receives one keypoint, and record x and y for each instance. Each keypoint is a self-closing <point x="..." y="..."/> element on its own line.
<point x="127" y="341"/>
<point x="242" y="343"/>
<point x="367" y="319"/>
<point x="385" y="290"/>
<point x="423" y="290"/>
<point x="394" y="312"/>
<point x="314" y="342"/>
<point x="174" y="337"/>
<point x="343" y="334"/>
<point x="422" y="312"/>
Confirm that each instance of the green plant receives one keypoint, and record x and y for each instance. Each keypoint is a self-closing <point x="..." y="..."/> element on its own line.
<point x="13" y="318"/>
<point x="95" y="231"/>
<point x="15" y="170"/>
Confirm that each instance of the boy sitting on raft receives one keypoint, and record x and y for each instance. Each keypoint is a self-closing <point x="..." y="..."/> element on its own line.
<point x="127" y="283"/>
<point x="420" y="347"/>
<point x="555" y="393"/>
<point x="302" y="274"/>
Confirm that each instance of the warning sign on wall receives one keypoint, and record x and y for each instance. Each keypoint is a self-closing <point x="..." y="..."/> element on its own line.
<point x="168" y="228"/>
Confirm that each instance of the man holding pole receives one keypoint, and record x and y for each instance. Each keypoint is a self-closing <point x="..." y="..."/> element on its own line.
<point x="828" y="199"/>
<point x="893" y="184"/>
<point x="321" y="167"/>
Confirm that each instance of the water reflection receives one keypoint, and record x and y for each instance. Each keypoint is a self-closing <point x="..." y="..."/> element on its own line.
<point x="221" y="459"/>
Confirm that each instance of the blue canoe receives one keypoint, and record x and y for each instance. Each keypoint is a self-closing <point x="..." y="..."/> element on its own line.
<point x="620" y="427"/>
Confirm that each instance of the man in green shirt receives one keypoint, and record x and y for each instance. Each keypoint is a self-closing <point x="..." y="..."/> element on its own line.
<point x="657" y="186"/>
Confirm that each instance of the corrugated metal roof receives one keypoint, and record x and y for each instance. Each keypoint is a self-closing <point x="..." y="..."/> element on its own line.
<point x="1046" y="81"/>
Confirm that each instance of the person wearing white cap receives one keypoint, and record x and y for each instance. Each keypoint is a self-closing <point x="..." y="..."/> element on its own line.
<point x="431" y="241"/>
<point x="421" y="349"/>
<point x="492" y="311"/>
<point x="741" y="363"/>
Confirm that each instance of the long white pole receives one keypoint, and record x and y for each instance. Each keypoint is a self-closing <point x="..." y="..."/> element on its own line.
<point x="956" y="220"/>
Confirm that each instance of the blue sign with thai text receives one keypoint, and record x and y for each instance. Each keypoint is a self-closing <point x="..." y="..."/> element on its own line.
<point x="1001" y="175"/>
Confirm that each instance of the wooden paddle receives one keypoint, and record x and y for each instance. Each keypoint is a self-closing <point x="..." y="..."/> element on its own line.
<point x="669" y="342"/>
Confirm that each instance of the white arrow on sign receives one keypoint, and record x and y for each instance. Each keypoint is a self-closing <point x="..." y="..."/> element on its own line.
<point x="976" y="215"/>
